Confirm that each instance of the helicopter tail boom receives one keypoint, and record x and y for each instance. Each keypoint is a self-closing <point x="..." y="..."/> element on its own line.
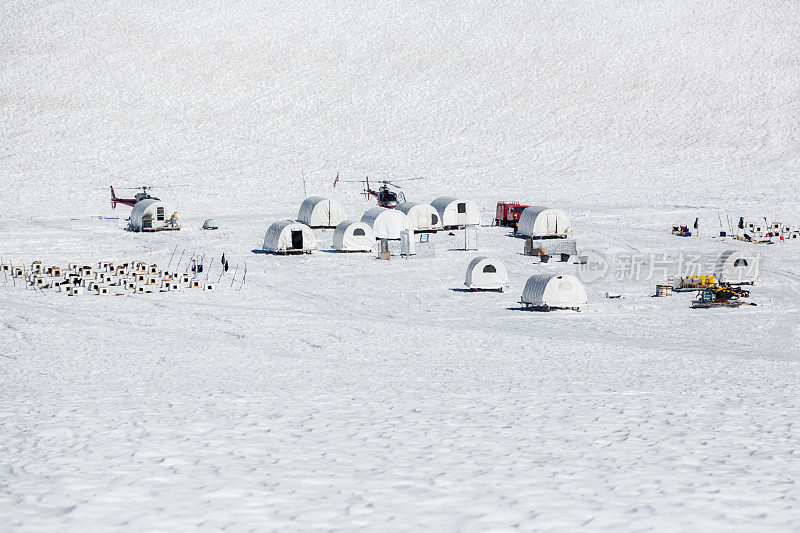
<point x="124" y="201"/>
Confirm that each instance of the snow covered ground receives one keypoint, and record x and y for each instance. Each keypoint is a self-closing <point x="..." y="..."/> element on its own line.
<point x="337" y="391"/>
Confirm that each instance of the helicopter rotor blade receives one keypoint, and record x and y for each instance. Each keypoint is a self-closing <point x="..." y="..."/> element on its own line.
<point x="155" y="187"/>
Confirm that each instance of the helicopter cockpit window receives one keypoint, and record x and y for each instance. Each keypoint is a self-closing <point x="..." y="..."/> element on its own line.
<point x="462" y="207"/>
<point x="358" y="232"/>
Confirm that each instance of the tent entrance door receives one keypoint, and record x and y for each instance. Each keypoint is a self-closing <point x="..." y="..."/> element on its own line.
<point x="297" y="239"/>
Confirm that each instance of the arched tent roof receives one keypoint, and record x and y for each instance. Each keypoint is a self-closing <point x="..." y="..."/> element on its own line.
<point x="319" y="212"/>
<point x="149" y="209"/>
<point x="421" y="217"/>
<point x="539" y="221"/>
<point x="283" y="237"/>
<point x="486" y="273"/>
<point x="559" y="291"/>
<point x="386" y="223"/>
<point x="455" y="212"/>
<point x="352" y="236"/>
<point x="733" y="266"/>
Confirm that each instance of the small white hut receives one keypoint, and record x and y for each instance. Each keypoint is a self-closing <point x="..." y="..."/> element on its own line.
<point x="153" y="215"/>
<point x="486" y="274"/>
<point x="386" y="223"/>
<point x="422" y="217"/>
<point x="457" y="212"/>
<point x="551" y="291"/>
<point x="738" y="268"/>
<point x="319" y="212"/>
<point x="543" y="223"/>
<point x="352" y="236"/>
<point x="288" y="236"/>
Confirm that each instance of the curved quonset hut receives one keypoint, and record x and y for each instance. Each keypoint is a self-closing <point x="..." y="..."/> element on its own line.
<point x="553" y="291"/>
<point x="386" y="223"/>
<point x="288" y="236"/>
<point x="486" y="274"/>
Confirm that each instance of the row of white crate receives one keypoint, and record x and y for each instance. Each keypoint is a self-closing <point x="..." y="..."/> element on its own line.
<point x="776" y="229"/>
<point x="104" y="278"/>
<point x="83" y="271"/>
<point x="76" y="290"/>
<point x="101" y="277"/>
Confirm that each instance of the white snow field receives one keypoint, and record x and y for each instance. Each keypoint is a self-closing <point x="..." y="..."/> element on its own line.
<point x="338" y="391"/>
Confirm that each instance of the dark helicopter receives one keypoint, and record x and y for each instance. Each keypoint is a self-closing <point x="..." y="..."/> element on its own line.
<point x="385" y="196"/>
<point x="138" y="197"/>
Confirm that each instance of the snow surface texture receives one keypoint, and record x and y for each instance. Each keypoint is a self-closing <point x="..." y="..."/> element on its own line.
<point x="340" y="391"/>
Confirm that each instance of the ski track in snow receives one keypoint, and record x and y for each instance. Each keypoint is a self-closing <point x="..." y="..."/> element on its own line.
<point x="337" y="391"/>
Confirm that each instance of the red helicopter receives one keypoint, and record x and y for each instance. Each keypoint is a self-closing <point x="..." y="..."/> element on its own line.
<point x="386" y="197"/>
<point x="144" y="195"/>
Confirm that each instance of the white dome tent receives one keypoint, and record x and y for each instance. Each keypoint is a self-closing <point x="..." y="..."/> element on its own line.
<point x="737" y="268"/>
<point x="457" y="212"/>
<point x="210" y="224"/>
<point x="352" y="236"/>
<point x="153" y="215"/>
<point x="422" y="217"/>
<point x="288" y="236"/>
<point x="319" y="212"/>
<point x="486" y="274"/>
<point x="544" y="292"/>
<point x="386" y="223"/>
<point x="543" y="223"/>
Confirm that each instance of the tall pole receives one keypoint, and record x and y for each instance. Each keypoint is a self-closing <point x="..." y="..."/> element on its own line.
<point x="234" y="274"/>
<point x="244" y="276"/>
<point x="178" y="264"/>
<point x="222" y="269"/>
<point x="173" y="255"/>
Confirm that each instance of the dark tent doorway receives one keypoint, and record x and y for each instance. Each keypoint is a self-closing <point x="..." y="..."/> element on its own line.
<point x="297" y="239"/>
